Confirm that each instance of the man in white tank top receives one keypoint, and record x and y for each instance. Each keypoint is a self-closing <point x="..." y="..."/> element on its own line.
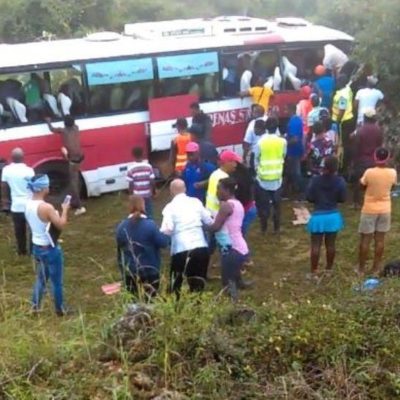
<point x="48" y="255"/>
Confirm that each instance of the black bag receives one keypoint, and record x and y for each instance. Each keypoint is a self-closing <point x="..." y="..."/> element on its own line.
<point x="392" y="269"/>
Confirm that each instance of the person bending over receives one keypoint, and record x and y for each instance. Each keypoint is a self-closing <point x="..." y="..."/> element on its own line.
<point x="139" y="243"/>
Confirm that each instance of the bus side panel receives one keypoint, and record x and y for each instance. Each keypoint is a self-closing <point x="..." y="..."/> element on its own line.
<point x="107" y="153"/>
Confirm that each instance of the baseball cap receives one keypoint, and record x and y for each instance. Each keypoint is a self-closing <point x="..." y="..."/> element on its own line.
<point x="192" y="147"/>
<point x="180" y="123"/>
<point x="373" y="80"/>
<point x="229" y="156"/>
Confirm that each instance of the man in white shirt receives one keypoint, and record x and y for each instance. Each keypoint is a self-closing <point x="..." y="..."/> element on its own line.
<point x="15" y="194"/>
<point x="183" y="219"/>
<point x="367" y="98"/>
<point x="250" y="139"/>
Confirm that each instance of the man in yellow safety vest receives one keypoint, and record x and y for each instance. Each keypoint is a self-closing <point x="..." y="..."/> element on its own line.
<point x="269" y="158"/>
<point x="342" y="114"/>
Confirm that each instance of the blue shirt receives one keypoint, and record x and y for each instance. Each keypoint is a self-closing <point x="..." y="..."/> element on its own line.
<point x="197" y="172"/>
<point x="326" y="191"/>
<point x="139" y="243"/>
<point x="295" y="130"/>
<point x="326" y="84"/>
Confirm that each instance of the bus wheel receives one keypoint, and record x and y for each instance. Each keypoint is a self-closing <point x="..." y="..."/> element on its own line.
<point x="59" y="179"/>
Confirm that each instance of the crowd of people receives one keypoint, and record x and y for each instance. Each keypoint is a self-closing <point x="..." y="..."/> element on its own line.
<point x="215" y="197"/>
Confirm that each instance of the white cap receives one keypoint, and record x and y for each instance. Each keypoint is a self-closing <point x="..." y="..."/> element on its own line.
<point x="370" y="112"/>
<point x="372" y="80"/>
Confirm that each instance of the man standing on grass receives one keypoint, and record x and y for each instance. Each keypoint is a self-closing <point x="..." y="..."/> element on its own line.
<point x="269" y="159"/>
<point x="376" y="212"/>
<point x="141" y="180"/>
<point x="295" y="152"/>
<point x="183" y="220"/>
<point x="48" y="254"/>
<point x="72" y="151"/>
<point x="14" y="182"/>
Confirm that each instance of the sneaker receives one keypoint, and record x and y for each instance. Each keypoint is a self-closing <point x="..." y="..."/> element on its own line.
<point x="80" y="211"/>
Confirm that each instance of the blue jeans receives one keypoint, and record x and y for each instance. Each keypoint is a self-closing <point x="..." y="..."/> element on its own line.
<point x="49" y="264"/>
<point x="148" y="205"/>
<point x="249" y="217"/>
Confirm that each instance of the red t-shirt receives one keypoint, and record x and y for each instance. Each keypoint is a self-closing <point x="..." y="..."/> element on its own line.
<point x="369" y="138"/>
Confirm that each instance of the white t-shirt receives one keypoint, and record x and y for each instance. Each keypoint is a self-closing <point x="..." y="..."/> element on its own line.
<point x="250" y="137"/>
<point x="183" y="220"/>
<point x="367" y="98"/>
<point x="16" y="175"/>
<point x="334" y="58"/>
<point x="245" y="80"/>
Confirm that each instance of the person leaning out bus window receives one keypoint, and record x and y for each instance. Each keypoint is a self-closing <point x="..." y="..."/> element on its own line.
<point x="260" y="93"/>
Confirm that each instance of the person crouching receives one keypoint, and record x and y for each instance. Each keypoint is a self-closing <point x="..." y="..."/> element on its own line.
<point x="139" y="242"/>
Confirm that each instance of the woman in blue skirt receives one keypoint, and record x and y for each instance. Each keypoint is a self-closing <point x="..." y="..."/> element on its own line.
<point x="325" y="191"/>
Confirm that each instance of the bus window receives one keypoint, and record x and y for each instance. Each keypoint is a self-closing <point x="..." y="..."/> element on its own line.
<point x="25" y="98"/>
<point x="298" y="65"/>
<point x="67" y="91"/>
<point x="242" y="69"/>
<point x="120" y="85"/>
<point x="189" y="74"/>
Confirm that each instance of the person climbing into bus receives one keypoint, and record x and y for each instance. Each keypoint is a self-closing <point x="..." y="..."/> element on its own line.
<point x="73" y="153"/>
<point x="325" y="84"/>
<point x="178" y="154"/>
<point x="260" y="93"/>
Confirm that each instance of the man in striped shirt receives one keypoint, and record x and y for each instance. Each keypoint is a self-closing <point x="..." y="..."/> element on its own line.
<point x="141" y="180"/>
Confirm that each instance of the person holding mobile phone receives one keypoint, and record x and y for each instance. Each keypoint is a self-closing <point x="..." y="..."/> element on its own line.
<point x="48" y="256"/>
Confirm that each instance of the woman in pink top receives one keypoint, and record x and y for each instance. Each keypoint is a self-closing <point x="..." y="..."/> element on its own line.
<point x="228" y="227"/>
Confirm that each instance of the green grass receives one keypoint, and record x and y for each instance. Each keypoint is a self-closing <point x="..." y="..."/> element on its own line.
<point x="47" y="357"/>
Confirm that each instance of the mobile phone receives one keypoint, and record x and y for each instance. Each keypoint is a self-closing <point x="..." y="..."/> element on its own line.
<point x="67" y="199"/>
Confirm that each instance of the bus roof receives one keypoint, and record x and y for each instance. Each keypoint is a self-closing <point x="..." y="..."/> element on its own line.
<point x="110" y="45"/>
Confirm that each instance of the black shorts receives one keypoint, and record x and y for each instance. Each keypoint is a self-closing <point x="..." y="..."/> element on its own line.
<point x="76" y="160"/>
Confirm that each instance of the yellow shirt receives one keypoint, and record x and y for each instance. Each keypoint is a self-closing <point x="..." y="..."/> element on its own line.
<point x="261" y="96"/>
<point x="212" y="202"/>
<point x="378" y="182"/>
